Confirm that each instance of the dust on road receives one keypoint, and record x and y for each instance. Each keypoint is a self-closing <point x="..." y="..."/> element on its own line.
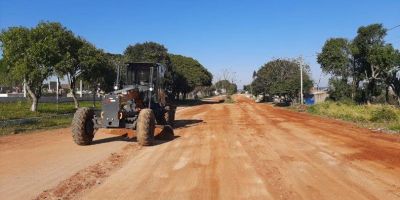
<point x="223" y="151"/>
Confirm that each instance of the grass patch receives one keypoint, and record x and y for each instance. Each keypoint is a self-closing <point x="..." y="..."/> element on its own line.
<point x="21" y="109"/>
<point x="42" y="123"/>
<point x="49" y="115"/>
<point x="373" y="116"/>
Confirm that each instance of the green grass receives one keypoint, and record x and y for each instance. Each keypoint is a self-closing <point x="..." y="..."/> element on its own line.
<point x="373" y="116"/>
<point x="42" y="123"/>
<point x="21" y="109"/>
<point x="49" y="115"/>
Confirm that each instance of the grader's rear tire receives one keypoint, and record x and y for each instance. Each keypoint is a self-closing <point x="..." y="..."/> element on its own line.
<point x="167" y="133"/>
<point x="169" y="117"/>
<point x="83" y="126"/>
<point x="145" y="127"/>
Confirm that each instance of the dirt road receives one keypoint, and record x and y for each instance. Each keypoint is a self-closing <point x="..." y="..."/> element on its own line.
<point x="222" y="151"/>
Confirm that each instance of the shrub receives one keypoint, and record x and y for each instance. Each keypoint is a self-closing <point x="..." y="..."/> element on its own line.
<point x="383" y="114"/>
<point x="229" y="99"/>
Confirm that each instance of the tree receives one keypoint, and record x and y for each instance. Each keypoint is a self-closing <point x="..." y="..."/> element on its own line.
<point x="188" y="74"/>
<point x="373" y="56"/>
<point x="339" y="89"/>
<point x="118" y="61"/>
<point x="281" y="77"/>
<point x="70" y="64"/>
<point x="337" y="59"/>
<point x="229" y="87"/>
<point x="393" y="78"/>
<point x="147" y="52"/>
<point x="97" y="69"/>
<point x="367" y="59"/>
<point x="3" y="73"/>
<point x="30" y="55"/>
<point x="247" y="88"/>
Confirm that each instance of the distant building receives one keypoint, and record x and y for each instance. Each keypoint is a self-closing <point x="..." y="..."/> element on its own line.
<point x="320" y="94"/>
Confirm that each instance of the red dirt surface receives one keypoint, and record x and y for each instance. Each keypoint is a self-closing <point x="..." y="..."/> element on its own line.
<point x="222" y="151"/>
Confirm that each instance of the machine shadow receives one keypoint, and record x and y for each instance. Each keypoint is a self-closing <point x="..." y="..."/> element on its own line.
<point x="179" y="124"/>
<point x="161" y="141"/>
<point x="112" y="139"/>
<point x="184" y="123"/>
<point x="188" y="103"/>
<point x="157" y="141"/>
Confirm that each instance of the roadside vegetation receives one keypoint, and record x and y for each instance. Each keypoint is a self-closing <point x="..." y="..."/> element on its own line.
<point x="364" y="84"/>
<point x="31" y="55"/>
<point x="365" y="79"/>
<point x="48" y="115"/>
<point x="377" y="116"/>
<point x="364" y="69"/>
<point x="20" y="109"/>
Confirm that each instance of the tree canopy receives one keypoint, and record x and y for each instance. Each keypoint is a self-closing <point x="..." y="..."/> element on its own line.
<point x="229" y="87"/>
<point x="188" y="74"/>
<point x="147" y="52"/>
<point x="281" y="77"/>
<point x="31" y="54"/>
<point x="365" y="61"/>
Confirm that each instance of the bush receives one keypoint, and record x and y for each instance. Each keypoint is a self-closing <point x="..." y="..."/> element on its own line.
<point x="229" y="99"/>
<point x="374" y="116"/>
<point x="383" y="115"/>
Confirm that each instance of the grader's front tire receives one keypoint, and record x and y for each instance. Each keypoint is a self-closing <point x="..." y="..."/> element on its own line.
<point x="145" y="127"/>
<point x="83" y="126"/>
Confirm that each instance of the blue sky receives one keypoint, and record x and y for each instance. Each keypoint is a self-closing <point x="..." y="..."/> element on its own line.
<point x="235" y="35"/>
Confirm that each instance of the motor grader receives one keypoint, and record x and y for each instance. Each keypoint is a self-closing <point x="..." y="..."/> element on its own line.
<point x="138" y="106"/>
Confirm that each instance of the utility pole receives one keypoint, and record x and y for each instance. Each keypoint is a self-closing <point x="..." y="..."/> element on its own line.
<point x="57" y="90"/>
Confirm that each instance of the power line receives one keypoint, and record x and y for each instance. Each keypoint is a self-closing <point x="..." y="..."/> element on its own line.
<point x="393" y="28"/>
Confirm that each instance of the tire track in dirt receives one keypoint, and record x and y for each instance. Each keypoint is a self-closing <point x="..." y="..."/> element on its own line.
<point x="94" y="175"/>
<point x="356" y="184"/>
<point x="85" y="179"/>
<point x="222" y="151"/>
<point x="208" y="167"/>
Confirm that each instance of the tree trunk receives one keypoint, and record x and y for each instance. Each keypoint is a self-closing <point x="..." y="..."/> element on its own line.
<point x="387" y="94"/>
<point x="398" y="100"/>
<point x="354" y="89"/>
<point x="76" y="102"/>
<point x="73" y="93"/>
<point x="33" y="97"/>
<point x="94" y="97"/>
<point x="370" y="90"/>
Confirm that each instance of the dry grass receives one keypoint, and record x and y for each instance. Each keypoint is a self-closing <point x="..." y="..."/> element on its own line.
<point x="374" y="116"/>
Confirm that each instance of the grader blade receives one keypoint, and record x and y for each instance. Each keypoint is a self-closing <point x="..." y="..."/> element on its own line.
<point x="161" y="132"/>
